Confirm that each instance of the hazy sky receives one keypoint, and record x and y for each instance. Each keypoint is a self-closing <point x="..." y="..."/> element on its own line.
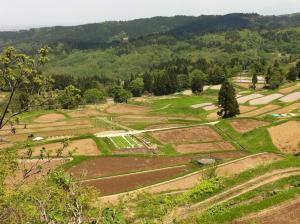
<point x="35" y="13"/>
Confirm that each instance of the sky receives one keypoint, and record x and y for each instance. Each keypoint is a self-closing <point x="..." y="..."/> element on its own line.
<point x="15" y="14"/>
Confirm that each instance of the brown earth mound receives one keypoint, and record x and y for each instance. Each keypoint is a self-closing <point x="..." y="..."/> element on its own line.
<point x="286" y="136"/>
<point x="127" y="109"/>
<point x="204" y="147"/>
<point x="287" y="213"/>
<point x="188" y="135"/>
<point x="48" y="118"/>
<point x="245" y="125"/>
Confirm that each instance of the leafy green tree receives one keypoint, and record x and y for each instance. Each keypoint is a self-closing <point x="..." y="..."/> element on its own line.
<point x="69" y="97"/>
<point x="183" y="82"/>
<point x="21" y="77"/>
<point x="216" y="75"/>
<point x="227" y="101"/>
<point x="136" y="87"/>
<point x="94" y="96"/>
<point x="121" y="95"/>
<point x="197" y="84"/>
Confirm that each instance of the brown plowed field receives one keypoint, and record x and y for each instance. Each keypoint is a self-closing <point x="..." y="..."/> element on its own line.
<point x="245" y="125"/>
<point x="125" y="183"/>
<point x="127" y="109"/>
<point x="287" y="213"/>
<point x="188" y="135"/>
<point x="48" y="118"/>
<point x="204" y="147"/>
<point x="105" y="166"/>
<point x="286" y="136"/>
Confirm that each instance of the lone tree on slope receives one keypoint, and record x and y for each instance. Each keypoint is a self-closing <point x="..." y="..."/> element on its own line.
<point x="227" y="101"/>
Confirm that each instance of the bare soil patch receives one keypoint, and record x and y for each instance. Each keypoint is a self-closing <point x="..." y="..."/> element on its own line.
<point x="6" y="145"/>
<point x="261" y="111"/>
<point x="266" y="99"/>
<point x="245" y="109"/>
<point x="288" y="213"/>
<point x="126" y="183"/>
<point x="246" y="164"/>
<point x="245" y="125"/>
<point x="188" y="135"/>
<point x="48" y="118"/>
<point x="286" y="136"/>
<point x="127" y="109"/>
<point x="106" y="166"/>
<point x="85" y="147"/>
<point x="213" y="116"/>
<point x="290" y="89"/>
<point x="204" y="147"/>
<point x="291" y="97"/>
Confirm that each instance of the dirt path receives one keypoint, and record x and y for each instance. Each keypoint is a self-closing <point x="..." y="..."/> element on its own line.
<point x="270" y="177"/>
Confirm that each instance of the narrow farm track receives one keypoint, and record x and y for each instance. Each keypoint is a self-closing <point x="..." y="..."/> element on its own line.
<point x="184" y="212"/>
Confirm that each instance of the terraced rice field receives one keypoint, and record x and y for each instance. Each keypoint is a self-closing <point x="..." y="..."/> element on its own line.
<point x="125" y="142"/>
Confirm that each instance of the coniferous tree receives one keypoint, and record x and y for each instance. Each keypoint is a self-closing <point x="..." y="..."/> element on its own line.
<point x="148" y="82"/>
<point x="254" y="80"/>
<point x="227" y="101"/>
<point x="292" y="74"/>
<point x="298" y="69"/>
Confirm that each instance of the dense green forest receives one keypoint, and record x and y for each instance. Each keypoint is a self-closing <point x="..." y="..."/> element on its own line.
<point x="160" y="49"/>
